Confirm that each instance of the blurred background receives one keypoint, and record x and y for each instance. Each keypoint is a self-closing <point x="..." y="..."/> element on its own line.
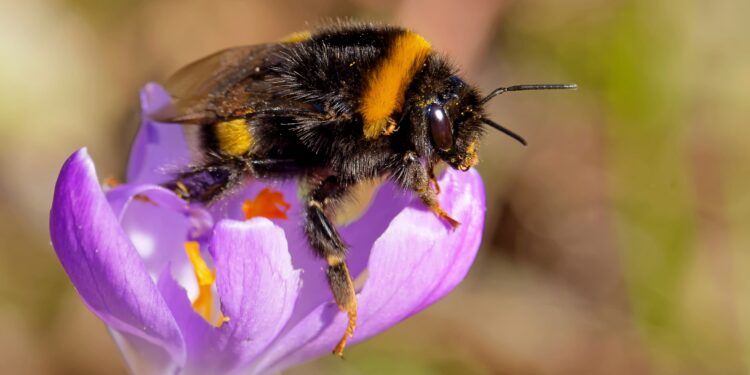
<point x="616" y="242"/>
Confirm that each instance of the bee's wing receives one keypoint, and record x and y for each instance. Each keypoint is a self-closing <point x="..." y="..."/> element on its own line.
<point x="210" y="87"/>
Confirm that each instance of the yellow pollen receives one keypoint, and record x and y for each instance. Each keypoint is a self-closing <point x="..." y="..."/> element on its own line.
<point x="206" y="277"/>
<point x="268" y="203"/>
<point x="471" y="157"/>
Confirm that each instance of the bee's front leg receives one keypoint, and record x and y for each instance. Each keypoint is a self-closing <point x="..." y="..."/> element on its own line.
<point x="431" y="165"/>
<point x="325" y="240"/>
<point x="414" y="176"/>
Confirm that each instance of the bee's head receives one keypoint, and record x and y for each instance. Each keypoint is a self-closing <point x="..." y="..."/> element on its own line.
<point x="454" y="120"/>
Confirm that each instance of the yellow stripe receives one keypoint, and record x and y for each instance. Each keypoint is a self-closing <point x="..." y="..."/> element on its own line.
<point x="297" y="37"/>
<point x="234" y="137"/>
<point x="386" y="86"/>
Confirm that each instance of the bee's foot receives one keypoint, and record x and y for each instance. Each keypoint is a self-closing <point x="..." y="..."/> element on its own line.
<point x="446" y="217"/>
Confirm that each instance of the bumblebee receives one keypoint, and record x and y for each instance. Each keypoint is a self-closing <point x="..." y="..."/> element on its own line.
<point x="335" y="107"/>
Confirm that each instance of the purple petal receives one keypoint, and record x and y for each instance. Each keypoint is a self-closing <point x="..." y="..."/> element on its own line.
<point x="122" y="196"/>
<point x="158" y="228"/>
<point x="360" y="234"/>
<point x="257" y="288"/>
<point x="199" y="335"/>
<point x="415" y="262"/>
<point x="105" y="267"/>
<point x="159" y="149"/>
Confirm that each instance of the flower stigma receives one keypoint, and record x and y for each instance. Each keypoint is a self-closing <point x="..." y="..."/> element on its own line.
<point x="268" y="203"/>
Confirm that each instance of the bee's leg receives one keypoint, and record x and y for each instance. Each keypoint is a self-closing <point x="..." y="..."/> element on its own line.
<point x="204" y="183"/>
<point x="429" y="197"/>
<point x="325" y="240"/>
<point x="414" y="176"/>
<point x="431" y="175"/>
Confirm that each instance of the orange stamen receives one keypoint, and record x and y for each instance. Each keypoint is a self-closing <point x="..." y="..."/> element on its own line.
<point x="268" y="203"/>
<point x="206" y="277"/>
<point x="111" y="182"/>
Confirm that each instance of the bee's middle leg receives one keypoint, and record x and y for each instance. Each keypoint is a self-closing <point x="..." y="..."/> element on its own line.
<point x="325" y="240"/>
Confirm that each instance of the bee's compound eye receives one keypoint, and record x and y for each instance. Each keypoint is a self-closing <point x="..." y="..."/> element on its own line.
<point x="441" y="128"/>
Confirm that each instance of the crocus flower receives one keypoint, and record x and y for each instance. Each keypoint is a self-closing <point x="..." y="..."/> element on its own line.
<point x="186" y="289"/>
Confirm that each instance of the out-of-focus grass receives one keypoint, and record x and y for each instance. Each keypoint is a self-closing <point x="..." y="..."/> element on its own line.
<point x="653" y="66"/>
<point x="647" y="152"/>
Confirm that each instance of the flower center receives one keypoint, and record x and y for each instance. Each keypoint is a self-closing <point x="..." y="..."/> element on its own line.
<point x="268" y="203"/>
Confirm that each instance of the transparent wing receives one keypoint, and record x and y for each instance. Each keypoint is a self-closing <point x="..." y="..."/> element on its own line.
<point x="215" y="86"/>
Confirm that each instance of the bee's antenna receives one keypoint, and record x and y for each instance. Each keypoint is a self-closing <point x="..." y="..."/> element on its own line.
<point x="504" y="130"/>
<point x="544" y="86"/>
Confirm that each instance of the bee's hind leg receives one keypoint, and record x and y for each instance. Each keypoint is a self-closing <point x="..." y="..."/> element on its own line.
<point x="325" y="240"/>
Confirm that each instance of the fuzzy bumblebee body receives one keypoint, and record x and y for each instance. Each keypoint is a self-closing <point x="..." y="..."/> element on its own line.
<point x="335" y="107"/>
